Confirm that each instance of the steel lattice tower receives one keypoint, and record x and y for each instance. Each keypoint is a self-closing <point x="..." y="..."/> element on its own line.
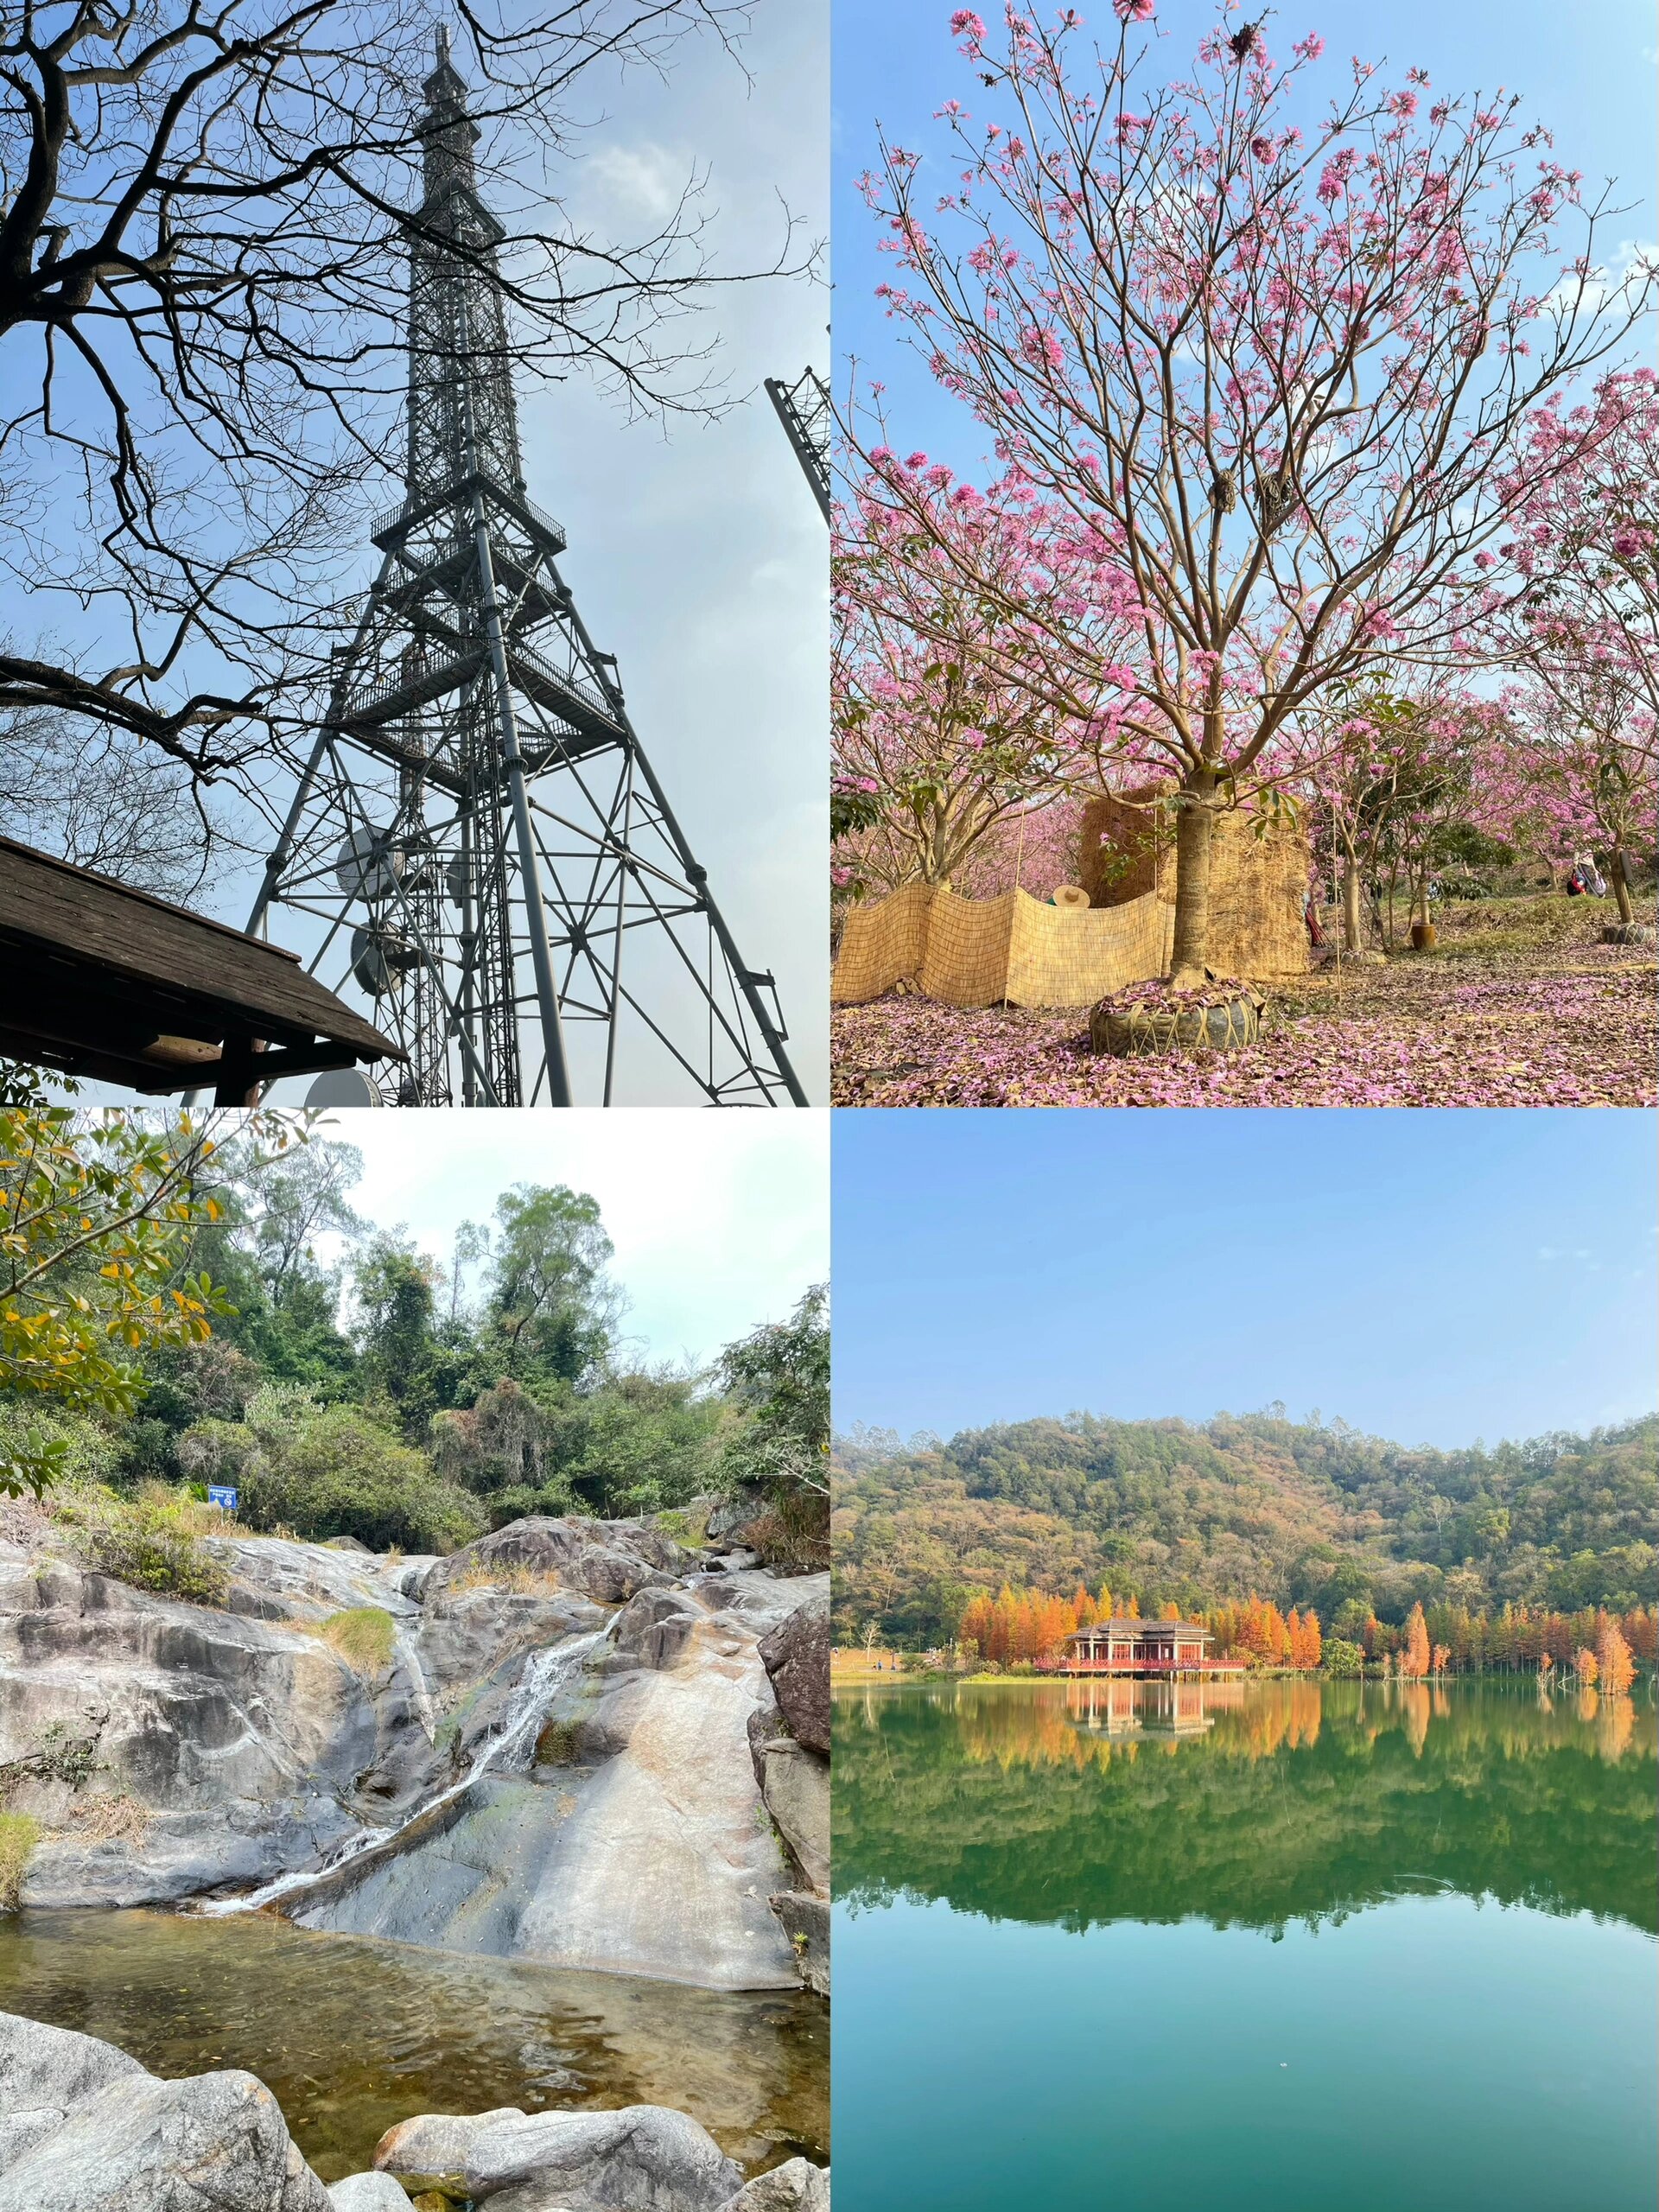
<point x="478" y="836"/>
<point x="803" y="410"/>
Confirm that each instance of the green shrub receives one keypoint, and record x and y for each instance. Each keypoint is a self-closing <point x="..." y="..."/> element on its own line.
<point x="363" y="1636"/>
<point x="18" y="1836"/>
<point x="91" y="1453"/>
<point x="150" y="1543"/>
<point x="326" y="1471"/>
<point x="1341" y="1658"/>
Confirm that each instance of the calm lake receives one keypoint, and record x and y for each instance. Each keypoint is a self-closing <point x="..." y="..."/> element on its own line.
<point x="350" y="2035"/>
<point x="1379" y="1947"/>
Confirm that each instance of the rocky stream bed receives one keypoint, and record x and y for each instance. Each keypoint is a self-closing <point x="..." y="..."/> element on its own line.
<point x="583" y="1750"/>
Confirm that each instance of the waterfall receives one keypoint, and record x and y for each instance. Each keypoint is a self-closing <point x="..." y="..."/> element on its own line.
<point x="545" y="1675"/>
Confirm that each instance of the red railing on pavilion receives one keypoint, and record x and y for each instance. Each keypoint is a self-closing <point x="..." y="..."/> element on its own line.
<point x="1139" y="1667"/>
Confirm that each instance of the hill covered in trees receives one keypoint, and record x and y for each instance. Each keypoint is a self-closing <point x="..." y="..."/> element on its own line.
<point x="193" y="1301"/>
<point x="1302" y="1513"/>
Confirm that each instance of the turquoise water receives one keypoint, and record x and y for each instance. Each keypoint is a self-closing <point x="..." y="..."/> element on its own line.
<point x="1385" y="1952"/>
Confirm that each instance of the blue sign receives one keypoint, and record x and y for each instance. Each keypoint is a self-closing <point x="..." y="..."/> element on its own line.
<point x="218" y="1494"/>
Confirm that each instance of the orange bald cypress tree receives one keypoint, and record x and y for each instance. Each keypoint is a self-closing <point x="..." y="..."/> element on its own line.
<point x="1614" y="1660"/>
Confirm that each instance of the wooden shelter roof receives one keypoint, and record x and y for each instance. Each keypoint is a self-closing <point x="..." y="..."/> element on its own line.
<point x="103" y="981"/>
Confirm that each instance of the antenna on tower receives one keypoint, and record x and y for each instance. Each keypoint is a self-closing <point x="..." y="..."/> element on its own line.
<point x="483" y="849"/>
<point x="803" y="410"/>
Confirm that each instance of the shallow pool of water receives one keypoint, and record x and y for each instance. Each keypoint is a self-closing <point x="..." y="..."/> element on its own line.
<point x="352" y="2035"/>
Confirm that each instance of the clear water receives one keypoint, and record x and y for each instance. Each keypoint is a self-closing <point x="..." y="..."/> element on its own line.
<point x="352" y="2035"/>
<point x="1275" y="1946"/>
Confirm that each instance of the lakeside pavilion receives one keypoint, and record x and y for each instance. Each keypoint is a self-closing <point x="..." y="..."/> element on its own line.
<point x="1121" y="1646"/>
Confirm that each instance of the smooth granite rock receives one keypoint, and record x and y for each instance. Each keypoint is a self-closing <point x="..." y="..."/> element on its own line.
<point x="368" y="2193"/>
<point x="119" y="2140"/>
<point x="796" y="1655"/>
<point x="643" y="2159"/>
<point x="796" y="2186"/>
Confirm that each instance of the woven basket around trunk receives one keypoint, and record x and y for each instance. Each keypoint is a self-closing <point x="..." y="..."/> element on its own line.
<point x="1121" y="1030"/>
<point x="1629" y="933"/>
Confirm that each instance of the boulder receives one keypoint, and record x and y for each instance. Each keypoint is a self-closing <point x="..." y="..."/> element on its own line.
<point x="794" y="1783"/>
<point x="227" y="1740"/>
<point x="805" y="1919"/>
<point x="733" y="1514"/>
<point x="688" y="1523"/>
<point x="600" y="1814"/>
<point x="796" y="2186"/>
<point x="606" y="1560"/>
<point x="44" y="2073"/>
<point x="654" y="1628"/>
<point x="119" y="2139"/>
<point x="368" y="2193"/>
<point x="431" y="2151"/>
<point x="796" y="1654"/>
<point x="643" y="2156"/>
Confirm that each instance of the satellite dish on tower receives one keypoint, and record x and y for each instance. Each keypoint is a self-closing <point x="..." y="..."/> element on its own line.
<point x="341" y="1087"/>
<point x="378" y="957"/>
<point x="367" y="866"/>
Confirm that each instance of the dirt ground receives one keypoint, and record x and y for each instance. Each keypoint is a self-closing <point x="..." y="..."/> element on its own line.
<point x="1520" y="1004"/>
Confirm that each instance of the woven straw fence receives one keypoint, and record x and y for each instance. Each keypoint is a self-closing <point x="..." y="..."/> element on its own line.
<point x="970" y="952"/>
<point x="1258" y="885"/>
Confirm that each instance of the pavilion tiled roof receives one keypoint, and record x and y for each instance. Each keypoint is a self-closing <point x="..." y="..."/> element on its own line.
<point x="1124" y="1625"/>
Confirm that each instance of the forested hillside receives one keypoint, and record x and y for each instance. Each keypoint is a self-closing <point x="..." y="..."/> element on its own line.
<point x="1302" y="1513"/>
<point x="192" y="1303"/>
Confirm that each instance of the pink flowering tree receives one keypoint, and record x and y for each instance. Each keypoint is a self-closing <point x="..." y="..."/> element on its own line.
<point x="1283" y="368"/>
<point x="1577" y="766"/>
<point x="1582" y="567"/>
<point x="1036" y="850"/>
<point x="941" y="735"/>
<point x="1393" y="784"/>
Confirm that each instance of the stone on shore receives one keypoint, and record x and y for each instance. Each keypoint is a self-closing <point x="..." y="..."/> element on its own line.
<point x="643" y="2159"/>
<point x="796" y="1654"/>
<point x="368" y="2193"/>
<point x="798" y="2186"/>
<point x="118" y="2140"/>
<point x="431" y="2150"/>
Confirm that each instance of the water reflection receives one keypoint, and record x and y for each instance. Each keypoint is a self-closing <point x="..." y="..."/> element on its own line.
<point x="1123" y="1709"/>
<point x="1249" y="1803"/>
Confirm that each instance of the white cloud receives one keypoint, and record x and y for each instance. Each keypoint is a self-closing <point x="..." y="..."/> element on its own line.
<point x="719" y="1220"/>
<point x="634" y="181"/>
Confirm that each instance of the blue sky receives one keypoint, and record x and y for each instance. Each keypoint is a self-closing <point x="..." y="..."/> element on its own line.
<point x="1586" y="71"/>
<point x="1430" y="1277"/>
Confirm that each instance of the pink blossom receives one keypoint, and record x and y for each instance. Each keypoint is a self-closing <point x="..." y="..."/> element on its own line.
<point x="1134" y="11"/>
